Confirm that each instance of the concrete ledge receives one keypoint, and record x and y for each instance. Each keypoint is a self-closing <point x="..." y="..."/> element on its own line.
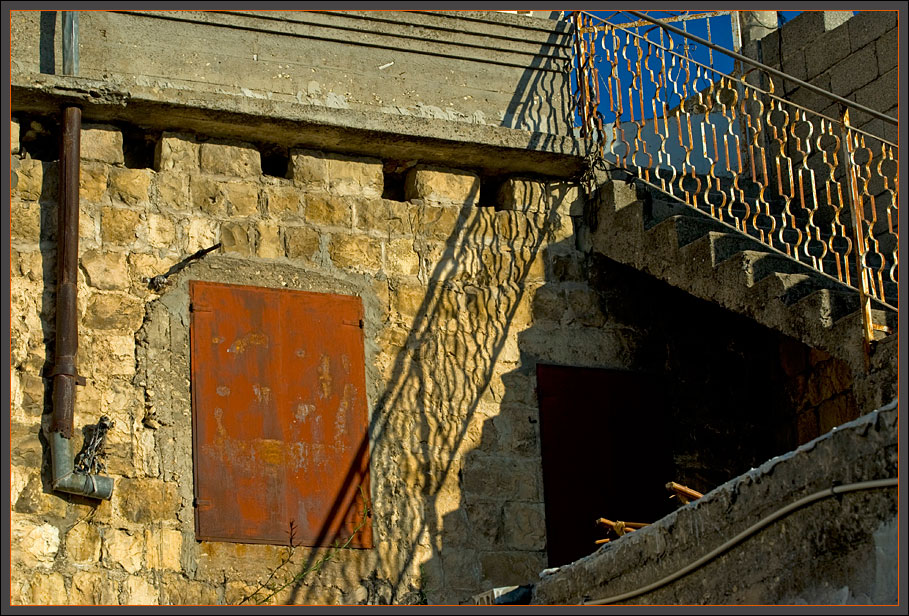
<point x="236" y="115"/>
<point x="838" y="550"/>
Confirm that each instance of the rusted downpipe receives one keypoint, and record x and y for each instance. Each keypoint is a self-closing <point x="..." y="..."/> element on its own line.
<point x="64" y="373"/>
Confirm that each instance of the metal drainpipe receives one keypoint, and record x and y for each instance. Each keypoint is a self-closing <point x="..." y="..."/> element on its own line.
<point x="67" y="341"/>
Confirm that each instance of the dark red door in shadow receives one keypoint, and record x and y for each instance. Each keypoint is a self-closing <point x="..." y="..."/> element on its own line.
<point x="606" y="453"/>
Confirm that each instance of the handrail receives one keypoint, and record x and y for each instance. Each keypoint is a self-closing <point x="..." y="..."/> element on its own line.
<point x="769" y="69"/>
<point x="820" y="190"/>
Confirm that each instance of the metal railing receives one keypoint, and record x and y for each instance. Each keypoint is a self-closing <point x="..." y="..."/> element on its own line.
<point x="813" y="187"/>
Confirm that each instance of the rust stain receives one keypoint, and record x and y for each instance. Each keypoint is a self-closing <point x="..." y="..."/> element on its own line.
<point x="324" y="376"/>
<point x="217" y="339"/>
<point x="269" y="451"/>
<point x="251" y="339"/>
<point x="263" y="393"/>
<point x="303" y="410"/>
<point x="301" y="353"/>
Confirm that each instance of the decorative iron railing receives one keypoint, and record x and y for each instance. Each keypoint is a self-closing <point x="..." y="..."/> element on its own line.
<point x="816" y="188"/>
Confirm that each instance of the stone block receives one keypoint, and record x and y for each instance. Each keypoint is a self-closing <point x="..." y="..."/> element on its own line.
<point x="340" y="175"/>
<point x="177" y="590"/>
<point x="235" y="239"/>
<point x="301" y="242"/>
<point x="243" y="198"/>
<point x="566" y="197"/>
<point x="514" y="478"/>
<point x="145" y="500"/>
<point x="331" y="210"/>
<point x="440" y="223"/>
<point x="123" y="549"/>
<point x="32" y="498"/>
<point x="107" y="311"/>
<point x="269" y="245"/>
<point x="36" y="544"/>
<point x="868" y="26"/>
<point x="384" y="217"/>
<point x="511" y="568"/>
<point x="585" y="308"/>
<point x="118" y="225"/>
<point x="856" y="70"/>
<point x="30" y="175"/>
<point x="283" y="201"/>
<point x="130" y="185"/>
<point x="408" y="299"/>
<point x="139" y="591"/>
<point x="401" y="258"/>
<point x="177" y="152"/>
<point x="83" y="544"/>
<point x="13" y="137"/>
<point x="523" y="195"/>
<point x="484" y="519"/>
<point x="549" y="305"/>
<point x="309" y="169"/>
<point x="207" y="196"/>
<point x="201" y="233"/>
<point x="93" y="182"/>
<point x="90" y="588"/>
<point x="439" y="185"/>
<point x="106" y="270"/>
<point x="241" y="160"/>
<point x="25" y="221"/>
<point x="102" y="143"/>
<point x="173" y="190"/>
<point x="355" y="252"/>
<point x="355" y="176"/>
<point x="525" y="526"/>
<point x="161" y="231"/>
<point x="49" y="589"/>
<point x="461" y="567"/>
<point x="163" y="549"/>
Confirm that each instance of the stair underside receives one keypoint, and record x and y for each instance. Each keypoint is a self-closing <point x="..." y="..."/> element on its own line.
<point x="649" y="230"/>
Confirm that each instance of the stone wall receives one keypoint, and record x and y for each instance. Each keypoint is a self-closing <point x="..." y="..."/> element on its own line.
<point x="447" y="286"/>
<point x="468" y="283"/>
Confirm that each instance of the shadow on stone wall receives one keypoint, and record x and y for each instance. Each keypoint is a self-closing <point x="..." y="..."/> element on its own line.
<point x="424" y="419"/>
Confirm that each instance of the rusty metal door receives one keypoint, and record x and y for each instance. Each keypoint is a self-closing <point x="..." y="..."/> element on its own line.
<point x="280" y="443"/>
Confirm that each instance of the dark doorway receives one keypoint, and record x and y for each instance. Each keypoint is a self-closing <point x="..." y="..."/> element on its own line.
<point x="606" y="453"/>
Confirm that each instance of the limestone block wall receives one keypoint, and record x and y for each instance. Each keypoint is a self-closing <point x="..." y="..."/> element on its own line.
<point x="447" y="285"/>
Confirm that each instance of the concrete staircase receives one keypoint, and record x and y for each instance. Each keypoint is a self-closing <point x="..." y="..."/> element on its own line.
<point x="640" y="226"/>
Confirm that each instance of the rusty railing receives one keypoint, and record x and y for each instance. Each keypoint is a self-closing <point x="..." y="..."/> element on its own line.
<point x="819" y="189"/>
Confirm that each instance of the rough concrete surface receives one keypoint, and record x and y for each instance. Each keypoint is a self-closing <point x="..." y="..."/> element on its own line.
<point x="838" y="550"/>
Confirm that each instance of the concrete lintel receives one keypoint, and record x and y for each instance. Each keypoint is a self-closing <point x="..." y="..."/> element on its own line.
<point x="492" y="149"/>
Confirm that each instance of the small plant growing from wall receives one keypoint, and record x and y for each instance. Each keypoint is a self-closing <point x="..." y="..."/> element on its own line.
<point x="280" y="578"/>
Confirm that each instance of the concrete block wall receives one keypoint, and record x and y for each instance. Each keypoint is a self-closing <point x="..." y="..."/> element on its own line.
<point x="853" y="56"/>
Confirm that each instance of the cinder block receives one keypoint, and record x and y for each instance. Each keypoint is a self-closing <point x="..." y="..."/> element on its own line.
<point x="868" y="26"/>
<point x="829" y="49"/>
<point x="854" y="71"/>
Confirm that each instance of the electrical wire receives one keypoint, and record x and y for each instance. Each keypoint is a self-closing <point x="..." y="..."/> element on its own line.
<point x="779" y="513"/>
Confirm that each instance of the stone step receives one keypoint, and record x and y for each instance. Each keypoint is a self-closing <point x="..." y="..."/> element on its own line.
<point x="749" y="267"/>
<point x="826" y="306"/>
